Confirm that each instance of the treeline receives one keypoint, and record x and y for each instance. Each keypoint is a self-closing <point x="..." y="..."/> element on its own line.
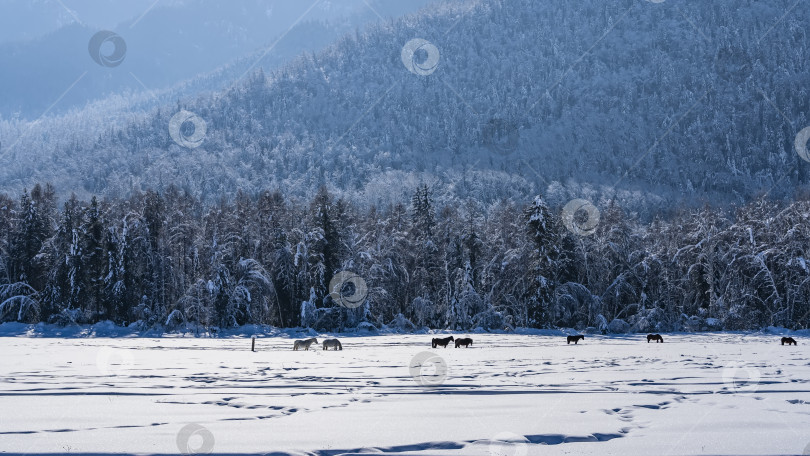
<point x="166" y="259"/>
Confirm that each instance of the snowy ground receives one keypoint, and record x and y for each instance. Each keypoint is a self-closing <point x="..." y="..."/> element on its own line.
<point x="509" y="394"/>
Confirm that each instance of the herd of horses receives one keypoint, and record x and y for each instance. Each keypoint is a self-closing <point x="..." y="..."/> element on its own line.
<point x="657" y="338"/>
<point x="304" y="344"/>
<point x="466" y="342"/>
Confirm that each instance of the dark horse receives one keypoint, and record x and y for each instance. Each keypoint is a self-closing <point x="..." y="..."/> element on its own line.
<point x="788" y="340"/>
<point x="656" y="337"/>
<point x="443" y="342"/>
<point x="575" y="339"/>
<point x="465" y="341"/>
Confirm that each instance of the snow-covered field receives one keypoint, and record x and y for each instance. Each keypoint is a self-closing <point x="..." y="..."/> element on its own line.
<point x="508" y="394"/>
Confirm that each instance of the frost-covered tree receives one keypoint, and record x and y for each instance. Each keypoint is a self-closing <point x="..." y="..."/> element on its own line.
<point x="543" y="231"/>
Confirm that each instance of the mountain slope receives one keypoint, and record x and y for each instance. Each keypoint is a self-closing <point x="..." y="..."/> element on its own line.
<point x="654" y="102"/>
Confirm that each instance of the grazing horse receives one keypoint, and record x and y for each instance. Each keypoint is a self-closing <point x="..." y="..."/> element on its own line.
<point x="443" y="342"/>
<point x="575" y="339"/>
<point x="465" y="341"/>
<point x="656" y="337"/>
<point x="788" y="340"/>
<point x="304" y="343"/>
<point x="334" y="343"/>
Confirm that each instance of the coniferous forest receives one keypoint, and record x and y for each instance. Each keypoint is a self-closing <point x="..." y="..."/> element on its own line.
<point x="164" y="259"/>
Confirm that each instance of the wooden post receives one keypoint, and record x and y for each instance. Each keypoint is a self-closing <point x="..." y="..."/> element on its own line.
<point x="253" y="344"/>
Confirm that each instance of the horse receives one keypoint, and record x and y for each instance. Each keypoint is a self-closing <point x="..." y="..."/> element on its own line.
<point x="575" y="339"/>
<point x="788" y="340"/>
<point x="304" y="343"/>
<point x="465" y="341"/>
<point x="656" y="337"/>
<point x="443" y="342"/>
<point x="334" y="343"/>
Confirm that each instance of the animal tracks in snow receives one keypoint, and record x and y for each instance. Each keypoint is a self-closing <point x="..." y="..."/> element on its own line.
<point x="603" y="396"/>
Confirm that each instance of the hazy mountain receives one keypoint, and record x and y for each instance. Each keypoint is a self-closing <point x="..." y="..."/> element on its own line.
<point x="161" y="45"/>
<point x="24" y="20"/>
<point x="658" y="102"/>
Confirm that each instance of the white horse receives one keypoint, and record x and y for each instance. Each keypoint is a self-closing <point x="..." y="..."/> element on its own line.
<point x="304" y="343"/>
<point x="334" y="343"/>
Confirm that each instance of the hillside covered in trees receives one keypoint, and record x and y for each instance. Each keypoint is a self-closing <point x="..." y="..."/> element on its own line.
<point x="163" y="259"/>
<point x="642" y="102"/>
